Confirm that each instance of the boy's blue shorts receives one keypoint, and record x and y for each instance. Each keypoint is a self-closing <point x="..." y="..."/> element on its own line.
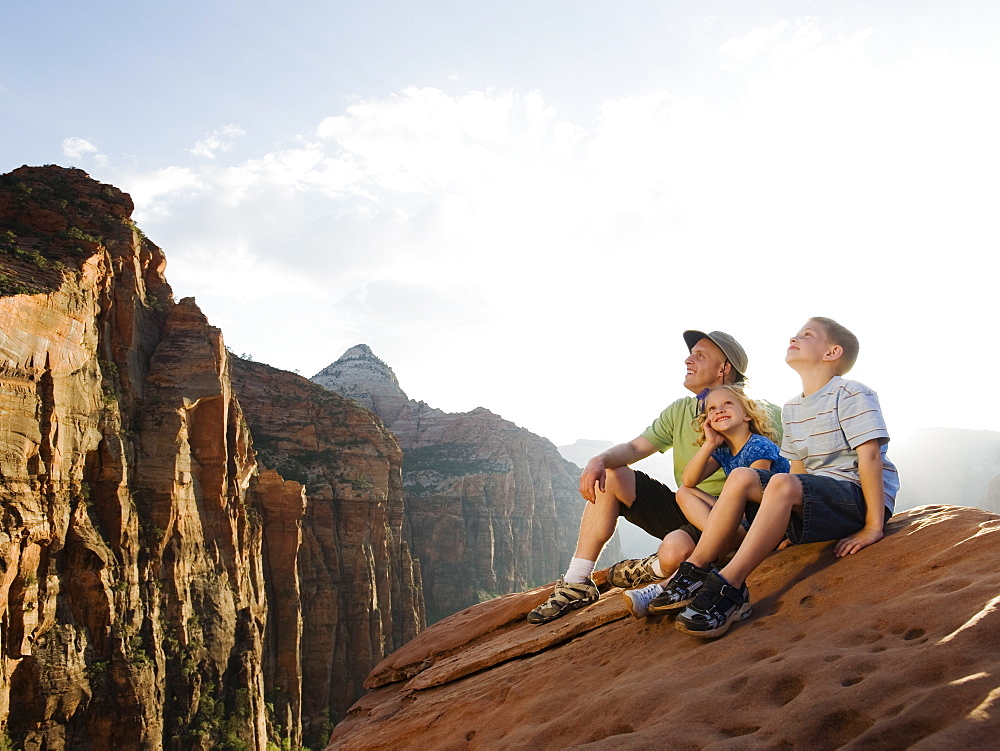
<point x="831" y="509"/>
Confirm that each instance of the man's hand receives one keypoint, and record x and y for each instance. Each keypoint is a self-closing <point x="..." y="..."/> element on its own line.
<point x="596" y="471"/>
<point x="593" y="473"/>
<point x="857" y="541"/>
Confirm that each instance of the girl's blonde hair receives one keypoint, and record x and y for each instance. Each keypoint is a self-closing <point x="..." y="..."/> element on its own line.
<point x="760" y="418"/>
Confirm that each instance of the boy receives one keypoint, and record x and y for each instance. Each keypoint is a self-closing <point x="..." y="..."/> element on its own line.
<point x="841" y="486"/>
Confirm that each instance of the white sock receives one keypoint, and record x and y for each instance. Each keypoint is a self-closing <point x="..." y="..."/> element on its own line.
<point x="579" y="570"/>
<point x="657" y="570"/>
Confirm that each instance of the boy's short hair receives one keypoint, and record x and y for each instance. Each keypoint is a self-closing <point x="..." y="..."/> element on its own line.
<point x="844" y="338"/>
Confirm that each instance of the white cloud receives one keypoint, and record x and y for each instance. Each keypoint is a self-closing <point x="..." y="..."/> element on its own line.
<point x="303" y="169"/>
<point x="219" y="141"/>
<point x="244" y="274"/>
<point x="423" y="139"/>
<point x="548" y="241"/>
<point x="77" y="148"/>
<point x="786" y="42"/>
<point x="154" y="192"/>
<point x="751" y="43"/>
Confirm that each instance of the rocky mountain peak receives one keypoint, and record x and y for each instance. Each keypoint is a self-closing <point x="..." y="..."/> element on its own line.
<point x="492" y="508"/>
<point x="360" y="375"/>
<point x="364" y="352"/>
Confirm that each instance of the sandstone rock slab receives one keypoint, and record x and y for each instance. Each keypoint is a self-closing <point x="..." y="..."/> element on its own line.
<point x="894" y="647"/>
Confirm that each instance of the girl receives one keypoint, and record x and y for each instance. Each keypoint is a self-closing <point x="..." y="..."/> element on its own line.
<point x="735" y="432"/>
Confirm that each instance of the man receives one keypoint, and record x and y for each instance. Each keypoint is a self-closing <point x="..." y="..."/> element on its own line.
<point x="612" y="488"/>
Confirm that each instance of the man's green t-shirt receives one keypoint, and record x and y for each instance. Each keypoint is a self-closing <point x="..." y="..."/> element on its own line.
<point x="675" y="429"/>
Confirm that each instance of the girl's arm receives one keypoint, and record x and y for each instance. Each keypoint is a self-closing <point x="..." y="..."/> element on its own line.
<point x="873" y="488"/>
<point x="700" y="466"/>
<point x="761" y="464"/>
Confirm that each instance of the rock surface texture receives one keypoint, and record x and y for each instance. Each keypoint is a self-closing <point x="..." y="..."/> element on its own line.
<point x="493" y="508"/>
<point x="164" y="584"/>
<point x="894" y="647"/>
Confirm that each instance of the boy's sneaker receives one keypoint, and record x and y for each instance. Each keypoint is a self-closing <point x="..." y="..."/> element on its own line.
<point x="680" y="590"/>
<point x="564" y="598"/>
<point x="714" y="610"/>
<point x="633" y="572"/>
<point x="637" y="600"/>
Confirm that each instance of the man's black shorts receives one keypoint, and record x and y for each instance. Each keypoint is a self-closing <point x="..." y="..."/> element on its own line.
<point x="655" y="509"/>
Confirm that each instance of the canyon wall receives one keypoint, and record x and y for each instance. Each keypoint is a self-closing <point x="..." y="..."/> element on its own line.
<point x="163" y="582"/>
<point x="493" y="508"/>
<point x="358" y="589"/>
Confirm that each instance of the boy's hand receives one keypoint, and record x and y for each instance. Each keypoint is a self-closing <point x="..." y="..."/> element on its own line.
<point x="870" y="473"/>
<point x="857" y="541"/>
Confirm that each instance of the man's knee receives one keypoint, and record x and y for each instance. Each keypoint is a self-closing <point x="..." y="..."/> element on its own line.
<point x="619" y="483"/>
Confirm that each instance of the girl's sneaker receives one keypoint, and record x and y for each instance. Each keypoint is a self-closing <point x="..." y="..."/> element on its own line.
<point x="637" y="600"/>
<point x="680" y="590"/>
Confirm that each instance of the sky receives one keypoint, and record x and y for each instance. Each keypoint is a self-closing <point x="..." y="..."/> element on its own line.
<point x="522" y="205"/>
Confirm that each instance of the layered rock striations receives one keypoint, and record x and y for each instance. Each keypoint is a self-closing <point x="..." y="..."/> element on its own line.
<point x="331" y="491"/>
<point x="85" y="615"/>
<point x="160" y="587"/>
<point x="493" y="508"/>
<point x="891" y="648"/>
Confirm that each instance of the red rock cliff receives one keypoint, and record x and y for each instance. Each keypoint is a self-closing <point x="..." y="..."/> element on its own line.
<point x="331" y="490"/>
<point x="158" y="588"/>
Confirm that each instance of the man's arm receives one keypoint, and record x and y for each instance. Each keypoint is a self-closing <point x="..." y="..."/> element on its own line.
<point x="617" y="456"/>
<point x="870" y="473"/>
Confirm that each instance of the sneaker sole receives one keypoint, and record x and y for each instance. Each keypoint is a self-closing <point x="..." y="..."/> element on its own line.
<point x="670" y="608"/>
<point x="740" y="615"/>
<point x="575" y="605"/>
